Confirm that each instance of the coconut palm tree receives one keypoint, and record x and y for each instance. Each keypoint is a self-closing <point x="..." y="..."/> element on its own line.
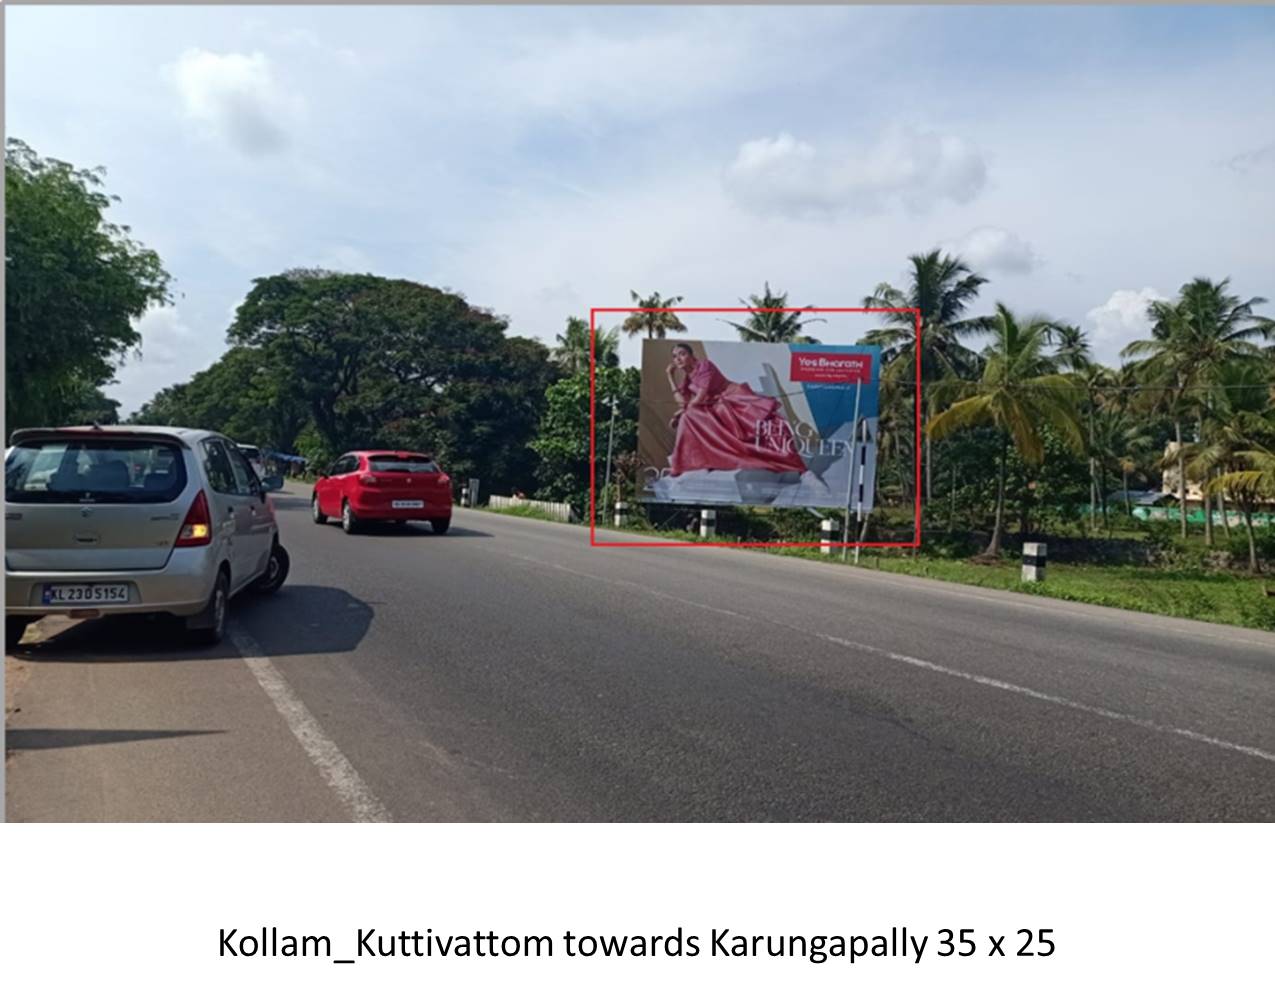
<point x="766" y="324"/>
<point x="645" y="321"/>
<point x="1249" y="473"/>
<point x="1072" y="351"/>
<point x="572" y="352"/>
<point x="1239" y="433"/>
<point x="942" y="287"/>
<point x="1192" y="340"/>
<point x="1074" y="354"/>
<point x="1019" y="392"/>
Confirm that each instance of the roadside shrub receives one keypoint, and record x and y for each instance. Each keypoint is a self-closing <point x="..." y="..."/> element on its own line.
<point x="1263" y="538"/>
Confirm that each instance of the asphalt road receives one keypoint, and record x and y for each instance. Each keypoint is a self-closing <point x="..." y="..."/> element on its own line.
<point x="508" y="671"/>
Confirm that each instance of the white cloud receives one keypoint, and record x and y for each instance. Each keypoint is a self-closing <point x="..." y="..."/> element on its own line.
<point x="1254" y="158"/>
<point x="993" y="249"/>
<point x="171" y="351"/>
<point x="236" y="98"/>
<point x="1123" y="318"/>
<point x="165" y="336"/>
<point x="593" y="73"/>
<point x="915" y="169"/>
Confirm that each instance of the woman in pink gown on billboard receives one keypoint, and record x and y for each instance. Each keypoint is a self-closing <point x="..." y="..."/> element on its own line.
<point x="724" y="425"/>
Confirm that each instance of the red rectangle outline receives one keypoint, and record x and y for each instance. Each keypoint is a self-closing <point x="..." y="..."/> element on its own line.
<point x="593" y="474"/>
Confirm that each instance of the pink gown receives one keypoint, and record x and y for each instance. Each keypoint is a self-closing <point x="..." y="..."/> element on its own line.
<point x="736" y="429"/>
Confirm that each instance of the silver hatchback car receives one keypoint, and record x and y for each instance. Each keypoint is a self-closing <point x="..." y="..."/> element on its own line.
<point x="109" y="520"/>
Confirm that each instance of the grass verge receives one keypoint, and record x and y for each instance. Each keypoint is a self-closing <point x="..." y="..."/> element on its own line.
<point x="1217" y="597"/>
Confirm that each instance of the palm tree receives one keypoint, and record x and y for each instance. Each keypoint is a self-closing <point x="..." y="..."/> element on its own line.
<point x="1074" y="354"/>
<point x="1250" y="478"/>
<point x="655" y="325"/>
<point x="766" y="324"/>
<point x="1192" y="340"/>
<point x="572" y="352"/>
<point x="1019" y="392"/>
<point x="942" y="288"/>
<point x="1235" y="458"/>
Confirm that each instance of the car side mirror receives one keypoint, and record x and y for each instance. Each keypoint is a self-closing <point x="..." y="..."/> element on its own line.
<point x="271" y="483"/>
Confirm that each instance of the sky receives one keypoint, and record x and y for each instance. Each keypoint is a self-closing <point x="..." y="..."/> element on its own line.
<point x="542" y="161"/>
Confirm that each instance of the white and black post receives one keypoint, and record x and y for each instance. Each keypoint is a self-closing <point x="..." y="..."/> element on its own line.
<point x="708" y="524"/>
<point x="1033" y="561"/>
<point x="825" y="537"/>
<point x="621" y="514"/>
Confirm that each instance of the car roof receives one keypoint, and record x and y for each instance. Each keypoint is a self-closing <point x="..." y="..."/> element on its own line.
<point x="188" y="435"/>
<point x="383" y="452"/>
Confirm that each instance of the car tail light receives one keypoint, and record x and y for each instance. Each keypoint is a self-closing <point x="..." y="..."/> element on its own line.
<point x="197" y="527"/>
<point x="368" y="480"/>
<point x="444" y="479"/>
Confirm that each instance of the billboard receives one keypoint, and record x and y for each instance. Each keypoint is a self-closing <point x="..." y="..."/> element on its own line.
<point x="736" y="423"/>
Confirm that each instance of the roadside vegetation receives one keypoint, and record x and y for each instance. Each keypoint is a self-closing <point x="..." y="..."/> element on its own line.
<point x="1025" y="435"/>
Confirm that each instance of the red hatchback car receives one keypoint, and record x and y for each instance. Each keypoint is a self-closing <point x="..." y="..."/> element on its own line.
<point x="389" y="486"/>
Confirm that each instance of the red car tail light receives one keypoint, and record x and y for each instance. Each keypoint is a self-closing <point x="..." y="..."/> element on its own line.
<point x="197" y="527"/>
<point x="368" y="480"/>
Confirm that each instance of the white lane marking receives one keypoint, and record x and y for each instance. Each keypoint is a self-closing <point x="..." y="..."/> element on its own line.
<point x="335" y="768"/>
<point x="931" y="666"/>
<point x="1137" y="721"/>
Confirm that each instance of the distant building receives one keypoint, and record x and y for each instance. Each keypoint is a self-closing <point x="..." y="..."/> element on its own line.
<point x="1142" y="497"/>
<point x="1169" y="480"/>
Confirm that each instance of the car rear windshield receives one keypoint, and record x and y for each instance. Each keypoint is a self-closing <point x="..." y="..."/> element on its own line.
<point x="395" y="463"/>
<point x="97" y="470"/>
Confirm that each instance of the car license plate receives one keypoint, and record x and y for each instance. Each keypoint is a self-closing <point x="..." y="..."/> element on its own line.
<point x="407" y="504"/>
<point x="96" y="593"/>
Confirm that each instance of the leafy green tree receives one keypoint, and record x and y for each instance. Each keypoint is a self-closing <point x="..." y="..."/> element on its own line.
<point x="562" y="441"/>
<point x="486" y="422"/>
<point x="381" y="362"/>
<point x="362" y="350"/>
<point x="767" y="325"/>
<point x="572" y="352"/>
<point x="92" y="406"/>
<point x="75" y="282"/>
<point x="1019" y="392"/>
<point x="243" y="394"/>
<point x="653" y="325"/>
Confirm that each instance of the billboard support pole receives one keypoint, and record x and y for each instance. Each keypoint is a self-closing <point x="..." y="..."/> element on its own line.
<point x="606" y="486"/>
<point x="854" y="465"/>
<point x="858" y="503"/>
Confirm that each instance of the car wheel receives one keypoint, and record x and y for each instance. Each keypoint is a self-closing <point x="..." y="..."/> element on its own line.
<point x="276" y="571"/>
<point x="349" y="522"/>
<point x="440" y="524"/>
<point x="315" y="513"/>
<point x="14" y="628"/>
<point x="210" y="626"/>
